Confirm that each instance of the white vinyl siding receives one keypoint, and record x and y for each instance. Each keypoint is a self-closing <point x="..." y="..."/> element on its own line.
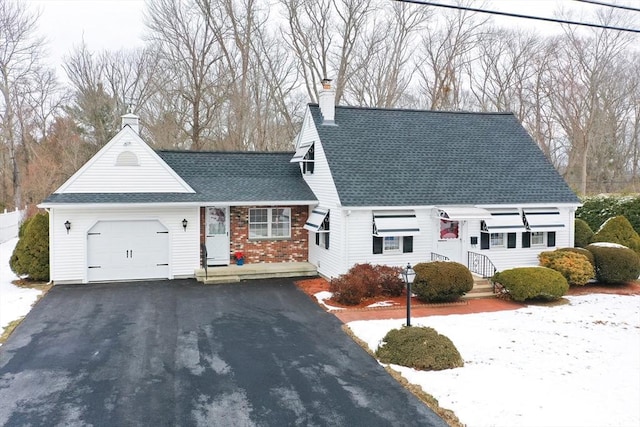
<point x="320" y="181"/>
<point x="105" y="172"/>
<point x="68" y="254"/>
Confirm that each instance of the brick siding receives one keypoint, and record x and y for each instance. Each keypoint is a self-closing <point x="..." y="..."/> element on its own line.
<point x="293" y="249"/>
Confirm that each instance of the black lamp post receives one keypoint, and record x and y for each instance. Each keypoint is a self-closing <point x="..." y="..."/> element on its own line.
<point x="408" y="274"/>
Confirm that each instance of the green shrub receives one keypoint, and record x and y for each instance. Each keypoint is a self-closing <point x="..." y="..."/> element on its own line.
<point x="596" y="210"/>
<point x="525" y="283"/>
<point x="31" y="255"/>
<point x="419" y="348"/>
<point x="618" y="230"/>
<point x="440" y="281"/>
<point x="575" y="267"/>
<point x="583" y="233"/>
<point x="366" y="281"/>
<point x="615" y="263"/>
<point x="581" y="251"/>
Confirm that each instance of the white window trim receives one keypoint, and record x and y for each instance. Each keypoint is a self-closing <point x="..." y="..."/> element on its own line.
<point x="269" y="235"/>
<point x="504" y="241"/>
<point x="543" y="243"/>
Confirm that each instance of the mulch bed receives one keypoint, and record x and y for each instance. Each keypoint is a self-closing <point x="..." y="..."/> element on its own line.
<point x="315" y="285"/>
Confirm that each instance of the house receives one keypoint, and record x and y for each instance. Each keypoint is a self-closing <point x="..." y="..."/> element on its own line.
<point x="397" y="186"/>
<point x="371" y="185"/>
<point x="133" y="213"/>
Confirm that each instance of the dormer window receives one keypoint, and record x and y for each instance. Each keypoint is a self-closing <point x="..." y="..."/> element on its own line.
<point x="308" y="160"/>
<point x="305" y="155"/>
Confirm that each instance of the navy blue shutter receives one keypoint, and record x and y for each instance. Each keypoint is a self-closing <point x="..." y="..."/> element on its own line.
<point x="526" y="239"/>
<point x="407" y="244"/>
<point x="511" y="240"/>
<point x="484" y="240"/>
<point x="317" y="239"/>
<point x="326" y="241"/>
<point x="377" y="245"/>
<point x="551" y="238"/>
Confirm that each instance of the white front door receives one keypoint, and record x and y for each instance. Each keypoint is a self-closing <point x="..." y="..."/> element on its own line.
<point x="127" y="250"/>
<point x="217" y="235"/>
<point x="449" y="241"/>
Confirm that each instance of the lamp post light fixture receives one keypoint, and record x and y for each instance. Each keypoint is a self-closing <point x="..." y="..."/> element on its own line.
<point x="408" y="274"/>
<point x="184" y="224"/>
<point x="67" y="225"/>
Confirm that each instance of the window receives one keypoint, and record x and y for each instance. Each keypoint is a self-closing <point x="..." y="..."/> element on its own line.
<point x="269" y="223"/>
<point x="392" y="244"/>
<point x="537" y="238"/>
<point x="308" y="162"/>
<point x="497" y="240"/>
<point x="322" y="236"/>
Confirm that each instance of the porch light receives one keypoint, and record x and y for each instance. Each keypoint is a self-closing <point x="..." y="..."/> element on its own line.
<point x="184" y="224"/>
<point x="408" y="275"/>
<point x="67" y="225"/>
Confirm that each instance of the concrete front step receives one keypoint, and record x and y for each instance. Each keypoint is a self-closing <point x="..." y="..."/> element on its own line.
<point x="482" y="288"/>
<point x="234" y="273"/>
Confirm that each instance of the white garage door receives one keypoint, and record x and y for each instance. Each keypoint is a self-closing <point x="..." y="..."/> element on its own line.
<point x="127" y="250"/>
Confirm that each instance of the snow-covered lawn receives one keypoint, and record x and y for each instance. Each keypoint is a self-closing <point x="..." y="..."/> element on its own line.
<point x="568" y="365"/>
<point x="15" y="302"/>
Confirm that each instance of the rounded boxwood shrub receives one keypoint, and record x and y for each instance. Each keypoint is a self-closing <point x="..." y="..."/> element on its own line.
<point x="618" y="230"/>
<point x="441" y="281"/>
<point x="31" y="255"/>
<point x="419" y="348"/>
<point x="615" y="263"/>
<point x="581" y="251"/>
<point x="583" y="233"/>
<point x="575" y="267"/>
<point x="526" y="283"/>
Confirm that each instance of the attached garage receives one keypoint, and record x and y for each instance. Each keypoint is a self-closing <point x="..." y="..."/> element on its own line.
<point x="127" y="250"/>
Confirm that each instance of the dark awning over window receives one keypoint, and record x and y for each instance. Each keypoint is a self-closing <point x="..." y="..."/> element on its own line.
<point x="314" y="223"/>
<point x="402" y="223"/>
<point x="543" y="219"/>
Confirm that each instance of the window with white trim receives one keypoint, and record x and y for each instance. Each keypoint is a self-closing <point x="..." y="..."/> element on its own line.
<point x="497" y="240"/>
<point x="537" y="238"/>
<point x="391" y="244"/>
<point x="269" y="223"/>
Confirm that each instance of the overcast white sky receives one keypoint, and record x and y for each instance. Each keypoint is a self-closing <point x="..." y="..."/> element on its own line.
<point x="114" y="24"/>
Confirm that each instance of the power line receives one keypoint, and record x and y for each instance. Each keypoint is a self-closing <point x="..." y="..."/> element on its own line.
<point x="617" y="6"/>
<point x="517" y="15"/>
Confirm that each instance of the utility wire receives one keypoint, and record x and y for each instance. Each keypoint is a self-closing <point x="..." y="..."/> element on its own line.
<point x="617" y="6"/>
<point x="517" y="15"/>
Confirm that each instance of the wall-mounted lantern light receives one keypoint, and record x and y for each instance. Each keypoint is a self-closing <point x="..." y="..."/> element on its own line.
<point x="67" y="225"/>
<point x="184" y="224"/>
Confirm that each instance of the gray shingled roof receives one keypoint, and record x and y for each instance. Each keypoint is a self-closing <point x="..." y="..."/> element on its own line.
<point x="382" y="157"/>
<point x="217" y="177"/>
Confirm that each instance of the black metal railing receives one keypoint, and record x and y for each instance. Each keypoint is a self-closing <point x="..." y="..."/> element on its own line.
<point x="203" y="259"/>
<point x="480" y="264"/>
<point x="438" y="257"/>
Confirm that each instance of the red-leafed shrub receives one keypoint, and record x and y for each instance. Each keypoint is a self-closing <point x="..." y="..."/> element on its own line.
<point x="366" y="281"/>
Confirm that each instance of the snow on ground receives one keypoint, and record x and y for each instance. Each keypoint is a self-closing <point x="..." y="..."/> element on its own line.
<point x="569" y="365"/>
<point x="15" y="302"/>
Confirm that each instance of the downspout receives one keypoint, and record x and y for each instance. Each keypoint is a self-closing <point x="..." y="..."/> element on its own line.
<point x="51" y="230"/>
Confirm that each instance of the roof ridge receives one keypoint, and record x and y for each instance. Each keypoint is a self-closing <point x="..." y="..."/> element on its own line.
<point x="224" y="152"/>
<point x="417" y="110"/>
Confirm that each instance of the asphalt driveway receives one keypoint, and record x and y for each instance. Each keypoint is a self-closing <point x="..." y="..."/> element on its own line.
<point x="177" y="353"/>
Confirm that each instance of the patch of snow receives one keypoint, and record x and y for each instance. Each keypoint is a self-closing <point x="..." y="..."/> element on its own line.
<point x="324" y="295"/>
<point x="382" y="304"/>
<point x="609" y="245"/>
<point x="15" y="302"/>
<point x="569" y="365"/>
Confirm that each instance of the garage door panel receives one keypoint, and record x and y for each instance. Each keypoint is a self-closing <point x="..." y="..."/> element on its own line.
<point x="125" y="250"/>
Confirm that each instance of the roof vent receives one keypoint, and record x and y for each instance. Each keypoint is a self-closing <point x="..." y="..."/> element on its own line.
<point x="327" y="102"/>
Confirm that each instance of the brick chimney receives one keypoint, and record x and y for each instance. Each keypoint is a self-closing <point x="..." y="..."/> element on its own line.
<point x="132" y="121"/>
<point x="327" y="102"/>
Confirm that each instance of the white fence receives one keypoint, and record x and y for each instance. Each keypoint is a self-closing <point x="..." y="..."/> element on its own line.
<point x="10" y="223"/>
